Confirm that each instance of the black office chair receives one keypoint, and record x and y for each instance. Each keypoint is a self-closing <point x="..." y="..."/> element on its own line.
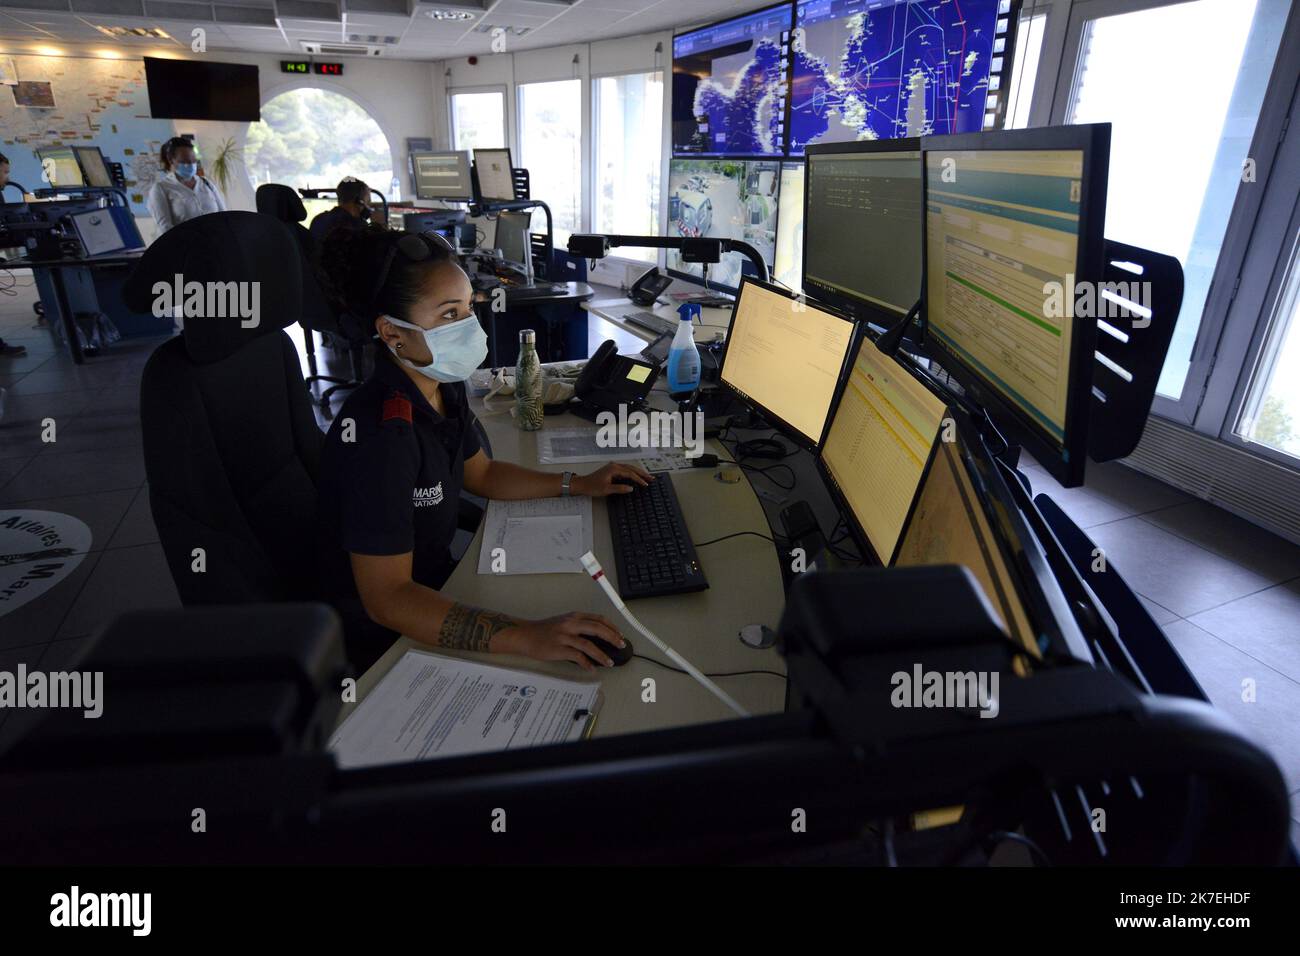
<point x="231" y="445"/>
<point x="318" y="313"/>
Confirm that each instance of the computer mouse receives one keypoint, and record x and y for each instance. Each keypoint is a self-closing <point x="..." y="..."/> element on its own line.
<point x="619" y="655"/>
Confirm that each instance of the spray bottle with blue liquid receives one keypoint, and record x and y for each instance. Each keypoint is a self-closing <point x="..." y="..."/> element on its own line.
<point x="683" y="356"/>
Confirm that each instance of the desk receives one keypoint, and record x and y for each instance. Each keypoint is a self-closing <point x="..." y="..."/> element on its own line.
<point x="712" y="325"/>
<point x="549" y="306"/>
<point x="56" y="268"/>
<point x="744" y="588"/>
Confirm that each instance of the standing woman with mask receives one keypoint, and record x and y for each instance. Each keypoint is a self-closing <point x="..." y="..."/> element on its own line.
<point x="181" y="194"/>
<point x="404" y="447"/>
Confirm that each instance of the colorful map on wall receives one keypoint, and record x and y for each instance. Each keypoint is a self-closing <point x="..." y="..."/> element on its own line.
<point x="100" y="103"/>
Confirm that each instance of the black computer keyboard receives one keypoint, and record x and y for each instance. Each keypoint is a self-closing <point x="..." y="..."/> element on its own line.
<point x="651" y="322"/>
<point x="653" y="553"/>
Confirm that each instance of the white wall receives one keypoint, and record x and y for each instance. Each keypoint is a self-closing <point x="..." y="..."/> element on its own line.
<point x="399" y="94"/>
<point x="506" y="71"/>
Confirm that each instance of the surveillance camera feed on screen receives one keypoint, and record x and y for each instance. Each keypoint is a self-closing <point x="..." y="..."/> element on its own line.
<point x="865" y="69"/>
<point x="723" y="199"/>
<point x="729" y="86"/>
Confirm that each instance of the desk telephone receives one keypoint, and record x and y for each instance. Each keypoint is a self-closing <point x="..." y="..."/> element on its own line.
<point x="609" y="380"/>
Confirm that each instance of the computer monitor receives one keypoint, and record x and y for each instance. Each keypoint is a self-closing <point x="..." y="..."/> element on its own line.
<point x="788" y="266"/>
<point x="723" y="199"/>
<point x="93" y="166"/>
<point x="729" y="86"/>
<point x="442" y="175"/>
<point x="863" y="226"/>
<point x="495" y="174"/>
<point x="878" y="445"/>
<point x="883" y="69"/>
<point x="514" y="237"/>
<point x="1014" y="226"/>
<point x="784" y="357"/>
<point x="59" y="165"/>
<point x="950" y="526"/>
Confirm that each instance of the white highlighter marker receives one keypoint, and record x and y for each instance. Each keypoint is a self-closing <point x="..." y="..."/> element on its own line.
<point x="592" y="567"/>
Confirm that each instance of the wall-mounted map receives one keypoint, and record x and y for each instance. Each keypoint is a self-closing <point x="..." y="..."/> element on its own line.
<point x="99" y="102"/>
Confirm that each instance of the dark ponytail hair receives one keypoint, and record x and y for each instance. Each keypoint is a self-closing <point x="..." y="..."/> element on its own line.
<point x="169" y="148"/>
<point x="372" y="271"/>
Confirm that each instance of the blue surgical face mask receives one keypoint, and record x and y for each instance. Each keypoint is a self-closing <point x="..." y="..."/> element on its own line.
<point x="457" y="349"/>
<point x="186" y="170"/>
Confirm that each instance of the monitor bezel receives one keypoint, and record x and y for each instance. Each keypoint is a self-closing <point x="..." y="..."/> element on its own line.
<point x="865" y="339"/>
<point x="40" y="158"/>
<point x="873" y="313"/>
<point x="784" y="150"/>
<point x="476" y="189"/>
<point x="108" y="172"/>
<point x="1066" y="462"/>
<point x="414" y="155"/>
<point x="801" y="440"/>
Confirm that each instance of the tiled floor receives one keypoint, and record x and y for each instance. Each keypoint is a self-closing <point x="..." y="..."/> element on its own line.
<point x="1226" y="592"/>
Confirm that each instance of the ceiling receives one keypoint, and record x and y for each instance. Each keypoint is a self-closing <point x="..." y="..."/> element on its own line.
<point x="399" y="29"/>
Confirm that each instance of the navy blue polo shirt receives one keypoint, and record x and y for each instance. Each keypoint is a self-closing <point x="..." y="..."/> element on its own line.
<point x="396" y="487"/>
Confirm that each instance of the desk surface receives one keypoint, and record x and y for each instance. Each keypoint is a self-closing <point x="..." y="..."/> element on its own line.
<point x="573" y="292"/>
<point x="711" y="326"/>
<point x="744" y="588"/>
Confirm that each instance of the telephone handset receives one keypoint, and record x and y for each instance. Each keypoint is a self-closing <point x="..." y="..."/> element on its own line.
<point x="645" y="291"/>
<point x="609" y="380"/>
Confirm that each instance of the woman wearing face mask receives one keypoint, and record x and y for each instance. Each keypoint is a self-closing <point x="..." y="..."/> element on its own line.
<point x="181" y="194"/>
<point x="402" y="449"/>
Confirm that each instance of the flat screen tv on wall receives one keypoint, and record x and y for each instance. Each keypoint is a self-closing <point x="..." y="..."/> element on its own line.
<point x="200" y="90"/>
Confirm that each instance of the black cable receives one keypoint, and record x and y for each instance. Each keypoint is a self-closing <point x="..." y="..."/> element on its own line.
<point x="794" y="479"/>
<point x="678" y="670"/>
<point x="756" y="534"/>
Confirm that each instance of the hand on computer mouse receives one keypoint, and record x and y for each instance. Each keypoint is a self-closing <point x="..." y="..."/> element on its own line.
<point x="612" y="479"/>
<point x="587" y="640"/>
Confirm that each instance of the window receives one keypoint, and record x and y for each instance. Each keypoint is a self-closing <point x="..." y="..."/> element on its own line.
<point x="550" y="140"/>
<point x="313" y="138"/>
<point x="1181" y="85"/>
<point x="628" y="127"/>
<point x="1024" y="70"/>
<point x="1271" y="414"/>
<point x="478" y="120"/>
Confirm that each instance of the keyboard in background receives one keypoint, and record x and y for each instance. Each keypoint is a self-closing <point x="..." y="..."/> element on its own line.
<point x="657" y="324"/>
<point x="653" y="553"/>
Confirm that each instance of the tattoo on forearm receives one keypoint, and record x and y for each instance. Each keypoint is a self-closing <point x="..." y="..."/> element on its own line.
<point x="471" y="628"/>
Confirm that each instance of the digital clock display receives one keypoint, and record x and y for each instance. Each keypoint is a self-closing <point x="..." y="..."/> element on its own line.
<point x="307" y="66"/>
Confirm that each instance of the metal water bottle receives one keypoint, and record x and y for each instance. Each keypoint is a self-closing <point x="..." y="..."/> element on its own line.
<point x="528" y="384"/>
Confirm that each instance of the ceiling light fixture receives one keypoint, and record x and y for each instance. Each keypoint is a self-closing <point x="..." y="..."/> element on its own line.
<point x="440" y="14"/>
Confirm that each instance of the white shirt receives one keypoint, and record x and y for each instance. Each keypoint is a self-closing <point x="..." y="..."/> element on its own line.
<point x="172" y="202"/>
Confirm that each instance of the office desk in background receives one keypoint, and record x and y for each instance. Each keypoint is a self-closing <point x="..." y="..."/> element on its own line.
<point x="711" y="326"/>
<point x="85" y="268"/>
<point x="555" y="308"/>
<point x="745" y="587"/>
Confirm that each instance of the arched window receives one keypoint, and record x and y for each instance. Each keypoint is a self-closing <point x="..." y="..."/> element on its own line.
<point x="313" y="137"/>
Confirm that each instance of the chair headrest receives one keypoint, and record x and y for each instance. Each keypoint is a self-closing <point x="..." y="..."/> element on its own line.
<point x="275" y="199"/>
<point x="227" y="272"/>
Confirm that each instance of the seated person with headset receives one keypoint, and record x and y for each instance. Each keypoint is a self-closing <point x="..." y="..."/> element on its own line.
<point x="402" y="448"/>
<point x="353" y="210"/>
